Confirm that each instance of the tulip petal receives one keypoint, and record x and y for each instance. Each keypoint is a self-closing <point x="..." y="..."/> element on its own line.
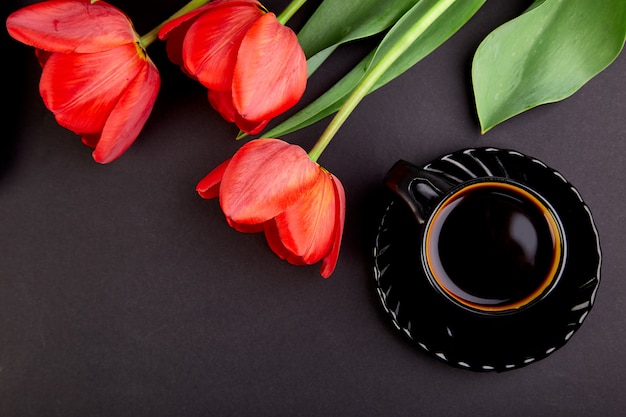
<point x="264" y="178"/>
<point x="222" y="101"/>
<point x="168" y="27"/>
<point x="82" y="89"/>
<point x="209" y="186"/>
<point x="246" y="228"/>
<point x="306" y="229"/>
<point x="174" y="45"/>
<point x="250" y="127"/>
<point x="129" y="115"/>
<point x="42" y="56"/>
<point x="271" y="73"/>
<point x="272" y="235"/>
<point x="90" y="139"/>
<point x="165" y="32"/>
<point x="211" y="44"/>
<point x="69" y="26"/>
<point x="330" y="260"/>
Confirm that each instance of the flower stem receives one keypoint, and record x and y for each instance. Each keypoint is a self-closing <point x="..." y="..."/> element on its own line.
<point x="153" y="35"/>
<point x="290" y="10"/>
<point x="376" y="71"/>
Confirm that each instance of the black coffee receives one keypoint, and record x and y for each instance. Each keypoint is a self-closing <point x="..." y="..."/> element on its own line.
<point x="493" y="246"/>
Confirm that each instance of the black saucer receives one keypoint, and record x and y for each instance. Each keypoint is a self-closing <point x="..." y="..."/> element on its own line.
<point x="481" y="342"/>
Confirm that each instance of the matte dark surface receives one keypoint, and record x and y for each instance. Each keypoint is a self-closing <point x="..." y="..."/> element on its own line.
<point x="123" y="293"/>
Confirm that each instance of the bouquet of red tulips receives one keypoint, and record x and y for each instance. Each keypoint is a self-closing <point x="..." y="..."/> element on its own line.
<point x="99" y="82"/>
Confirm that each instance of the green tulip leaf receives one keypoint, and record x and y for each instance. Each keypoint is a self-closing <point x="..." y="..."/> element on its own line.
<point x="335" y="22"/>
<point x="439" y="31"/>
<point x="545" y="55"/>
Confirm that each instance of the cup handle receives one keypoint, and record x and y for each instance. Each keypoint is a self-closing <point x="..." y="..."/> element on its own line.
<point x="418" y="188"/>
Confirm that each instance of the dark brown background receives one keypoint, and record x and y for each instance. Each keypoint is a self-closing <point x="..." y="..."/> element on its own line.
<point x="122" y="293"/>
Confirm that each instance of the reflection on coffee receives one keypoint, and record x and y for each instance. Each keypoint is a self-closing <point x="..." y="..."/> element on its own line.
<point x="493" y="246"/>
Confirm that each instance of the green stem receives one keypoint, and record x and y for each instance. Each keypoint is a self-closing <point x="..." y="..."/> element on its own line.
<point x="153" y="35"/>
<point x="369" y="80"/>
<point x="290" y="10"/>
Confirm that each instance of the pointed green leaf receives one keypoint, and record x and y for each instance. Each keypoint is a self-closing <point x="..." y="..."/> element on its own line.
<point x="335" y="22"/>
<point x="545" y="55"/>
<point x="318" y="59"/>
<point x="440" y="30"/>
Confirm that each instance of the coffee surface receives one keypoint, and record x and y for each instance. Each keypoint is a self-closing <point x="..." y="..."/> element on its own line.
<point x="492" y="246"/>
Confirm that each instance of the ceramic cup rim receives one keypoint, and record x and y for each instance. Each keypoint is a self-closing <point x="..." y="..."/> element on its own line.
<point x="556" y="230"/>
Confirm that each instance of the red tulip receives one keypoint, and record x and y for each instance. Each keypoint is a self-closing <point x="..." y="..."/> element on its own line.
<point x="96" y="79"/>
<point x="252" y="65"/>
<point x="269" y="185"/>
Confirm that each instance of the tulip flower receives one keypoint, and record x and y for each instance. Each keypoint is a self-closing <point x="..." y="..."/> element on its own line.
<point x="96" y="78"/>
<point x="272" y="186"/>
<point x="251" y="64"/>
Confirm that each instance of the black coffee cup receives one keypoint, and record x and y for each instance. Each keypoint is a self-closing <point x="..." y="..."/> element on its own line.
<point x="490" y="245"/>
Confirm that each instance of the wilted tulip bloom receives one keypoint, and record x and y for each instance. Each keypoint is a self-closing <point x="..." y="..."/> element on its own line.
<point x="252" y="65"/>
<point x="96" y="78"/>
<point x="269" y="185"/>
